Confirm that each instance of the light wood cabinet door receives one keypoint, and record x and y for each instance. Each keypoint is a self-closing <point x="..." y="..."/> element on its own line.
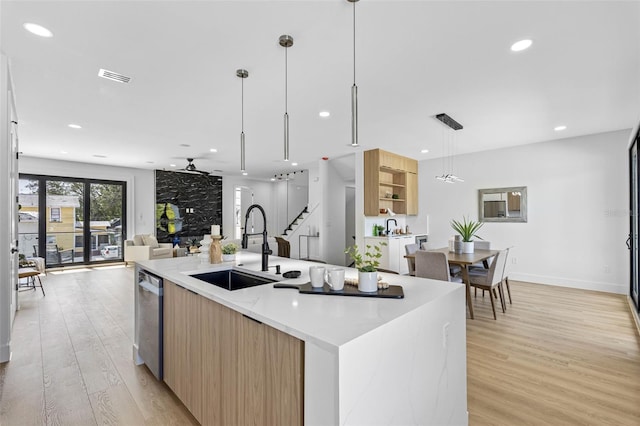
<point x="252" y="373"/>
<point x="182" y="346"/>
<point x="284" y="378"/>
<point x="220" y="327"/>
<point x="412" y="193"/>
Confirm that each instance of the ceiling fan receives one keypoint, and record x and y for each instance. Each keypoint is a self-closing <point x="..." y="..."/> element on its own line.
<point x="191" y="168"/>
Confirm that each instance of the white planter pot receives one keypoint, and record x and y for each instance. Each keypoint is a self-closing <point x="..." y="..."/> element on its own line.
<point x="467" y="247"/>
<point x="228" y="257"/>
<point x="368" y="282"/>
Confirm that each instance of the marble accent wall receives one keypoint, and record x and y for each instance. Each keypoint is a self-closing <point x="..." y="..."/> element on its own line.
<point x="187" y="204"/>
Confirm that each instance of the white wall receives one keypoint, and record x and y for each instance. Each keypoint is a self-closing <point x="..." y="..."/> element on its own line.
<point x="140" y="186"/>
<point x="263" y="194"/>
<point x="577" y="208"/>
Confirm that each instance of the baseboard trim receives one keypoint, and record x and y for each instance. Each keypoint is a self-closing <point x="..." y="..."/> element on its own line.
<point x="565" y="282"/>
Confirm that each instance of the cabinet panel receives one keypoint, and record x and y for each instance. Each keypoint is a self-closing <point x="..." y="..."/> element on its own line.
<point x="412" y="193"/>
<point x="219" y="358"/>
<point x="182" y="346"/>
<point x="285" y="378"/>
<point x="251" y="373"/>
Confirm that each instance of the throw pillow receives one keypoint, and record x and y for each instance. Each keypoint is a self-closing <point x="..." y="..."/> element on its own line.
<point x="150" y="240"/>
<point x="137" y="240"/>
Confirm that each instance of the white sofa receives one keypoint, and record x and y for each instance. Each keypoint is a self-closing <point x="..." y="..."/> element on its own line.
<point x="146" y="247"/>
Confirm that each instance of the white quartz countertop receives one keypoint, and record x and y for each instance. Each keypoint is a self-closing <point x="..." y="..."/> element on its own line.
<point x="386" y="237"/>
<point x="328" y="321"/>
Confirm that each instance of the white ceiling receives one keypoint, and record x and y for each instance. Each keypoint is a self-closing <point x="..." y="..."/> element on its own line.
<point x="414" y="59"/>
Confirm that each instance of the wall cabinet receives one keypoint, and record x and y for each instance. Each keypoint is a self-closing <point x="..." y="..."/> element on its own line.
<point x="245" y="372"/>
<point x="390" y="182"/>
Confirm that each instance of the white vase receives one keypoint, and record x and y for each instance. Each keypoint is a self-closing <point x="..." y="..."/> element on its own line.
<point x="467" y="247"/>
<point x="367" y="282"/>
<point x="228" y="257"/>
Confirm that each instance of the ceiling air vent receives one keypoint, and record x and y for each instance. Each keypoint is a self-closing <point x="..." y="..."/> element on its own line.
<point x="110" y="75"/>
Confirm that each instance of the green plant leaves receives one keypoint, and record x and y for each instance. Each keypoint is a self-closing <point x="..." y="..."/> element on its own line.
<point x="467" y="228"/>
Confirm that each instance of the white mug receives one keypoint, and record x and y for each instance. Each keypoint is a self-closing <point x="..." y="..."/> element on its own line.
<point x="335" y="279"/>
<point x="316" y="275"/>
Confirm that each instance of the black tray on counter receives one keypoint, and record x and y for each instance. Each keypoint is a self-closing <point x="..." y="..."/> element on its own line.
<point x="393" y="292"/>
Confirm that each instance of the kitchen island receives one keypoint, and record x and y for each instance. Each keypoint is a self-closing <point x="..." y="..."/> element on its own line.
<point x="365" y="360"/>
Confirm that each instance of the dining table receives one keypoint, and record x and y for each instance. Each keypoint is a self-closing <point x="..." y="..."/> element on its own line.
<point x="464" y="260"/>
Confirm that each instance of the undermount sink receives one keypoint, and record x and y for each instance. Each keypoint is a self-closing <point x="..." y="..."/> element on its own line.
<point x="232" y="279"/>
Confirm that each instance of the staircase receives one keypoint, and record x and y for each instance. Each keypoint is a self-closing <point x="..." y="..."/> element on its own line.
<point x="296" y="222"/>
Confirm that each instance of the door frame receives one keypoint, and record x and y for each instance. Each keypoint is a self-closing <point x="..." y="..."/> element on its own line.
<point x="634" y="219"/>
<point x="8" y="214"/>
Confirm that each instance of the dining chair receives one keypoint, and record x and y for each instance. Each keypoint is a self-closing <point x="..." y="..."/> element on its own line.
<point x="481" y="245"/>
<point x="454" y="270"/>
<point x="434" y="265"/>
<point x="505" y="277"/>
<point x="491" y="280"/>
<point x="411" y="249"/>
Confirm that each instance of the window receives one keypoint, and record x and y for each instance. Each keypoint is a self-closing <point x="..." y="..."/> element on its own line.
<point x="55" y="215"/>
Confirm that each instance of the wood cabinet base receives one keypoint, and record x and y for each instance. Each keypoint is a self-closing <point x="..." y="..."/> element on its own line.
<point x="245" y="372"/>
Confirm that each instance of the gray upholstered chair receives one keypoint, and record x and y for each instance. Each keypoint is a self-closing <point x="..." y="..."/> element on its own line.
<point x="411" y="249"/>
<point x="491" y="279"/>
<point x="434" y="265"/>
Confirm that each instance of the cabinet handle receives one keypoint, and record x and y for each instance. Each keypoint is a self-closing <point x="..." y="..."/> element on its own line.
<point x="252" y="319"/>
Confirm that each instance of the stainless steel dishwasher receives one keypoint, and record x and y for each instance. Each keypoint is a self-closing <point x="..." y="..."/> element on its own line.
<point x="150" y="321"/>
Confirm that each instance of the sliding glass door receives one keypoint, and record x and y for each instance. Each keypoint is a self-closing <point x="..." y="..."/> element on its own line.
<point x="53" y="219"/>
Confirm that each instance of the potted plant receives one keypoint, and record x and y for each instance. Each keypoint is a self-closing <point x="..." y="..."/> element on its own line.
<point x="193" y="245"/>
<point x="367" y="265"/>
<point x="229" y="252"/>
<point x="467" y="230"/>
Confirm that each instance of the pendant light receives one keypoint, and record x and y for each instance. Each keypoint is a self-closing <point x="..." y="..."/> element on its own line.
<point x="242" y="74"/>
<point x="354" y="88"/>
<point x="286" y="41"/>
<point x="448" y="133"/>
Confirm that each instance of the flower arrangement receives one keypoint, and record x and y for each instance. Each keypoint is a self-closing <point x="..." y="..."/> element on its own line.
<point x="367" y="262"/>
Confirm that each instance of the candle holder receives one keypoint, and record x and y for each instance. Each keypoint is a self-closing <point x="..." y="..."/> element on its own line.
<point x="215" y="250"/>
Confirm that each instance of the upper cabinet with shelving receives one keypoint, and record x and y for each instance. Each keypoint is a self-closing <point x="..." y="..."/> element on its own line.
<point x="390" y="182"/>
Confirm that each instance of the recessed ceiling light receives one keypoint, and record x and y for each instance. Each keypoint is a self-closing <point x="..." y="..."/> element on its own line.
<point x="213" y="150"/>
<point x="149" y="162"/>
<point x="424" y="151"/>
<point x="172" y="165"/>
<point x="186" y="145"/>
<point x="63" y="152"/>
<point x="324" y="114"/>
<point x="99" y="156"/>
<point x="38" y="30"/>
<point x="521" y="45"/>
<point x="244" y="173"/>
<point x="272" y="179"/>
<point x="559" y="128"/>
<point x="294" y="164"/>
<point x="75" y="126"/>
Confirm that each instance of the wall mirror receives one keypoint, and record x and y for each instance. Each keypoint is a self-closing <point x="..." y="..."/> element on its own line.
<point x="503" y="204"/>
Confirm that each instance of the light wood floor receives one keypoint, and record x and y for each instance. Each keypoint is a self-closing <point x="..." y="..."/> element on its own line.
<point x="557" y="357"/>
